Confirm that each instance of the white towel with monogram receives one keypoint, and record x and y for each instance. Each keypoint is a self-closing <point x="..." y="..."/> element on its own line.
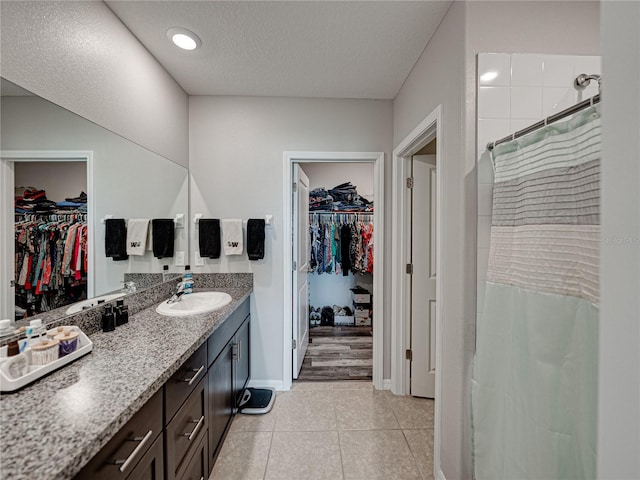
<point x="137" y="235"/>
<point x="232" y="236"/>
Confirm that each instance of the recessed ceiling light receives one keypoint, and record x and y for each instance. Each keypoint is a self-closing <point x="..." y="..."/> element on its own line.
<point x="487" y="77"/>
<point x="184" y="38"/>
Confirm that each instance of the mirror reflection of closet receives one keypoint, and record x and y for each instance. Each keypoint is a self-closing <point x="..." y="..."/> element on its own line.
<point x="51" y="266"/>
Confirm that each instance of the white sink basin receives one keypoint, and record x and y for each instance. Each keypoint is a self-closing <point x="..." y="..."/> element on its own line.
<point x="193" y="303"/>
<point x="92" y="302"/>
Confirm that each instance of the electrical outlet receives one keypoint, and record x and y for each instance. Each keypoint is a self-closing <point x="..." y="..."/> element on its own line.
<point x="179" y="259"/>
<point x="198" y="261"/>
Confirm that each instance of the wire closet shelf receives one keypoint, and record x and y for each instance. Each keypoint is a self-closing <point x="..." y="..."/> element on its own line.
<point x="580" y="83"/>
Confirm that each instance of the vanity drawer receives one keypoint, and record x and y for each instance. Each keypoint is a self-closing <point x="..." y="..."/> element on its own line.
<point x="186" y="430"/>
<point x="120" y="455"/>
<point x="196" y="467"/>
<point x="184" y="381"/>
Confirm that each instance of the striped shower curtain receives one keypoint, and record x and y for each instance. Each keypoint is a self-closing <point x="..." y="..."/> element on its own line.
<point x="534" y="387"/>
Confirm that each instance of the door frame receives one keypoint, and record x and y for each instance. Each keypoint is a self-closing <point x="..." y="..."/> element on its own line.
<point x="428" y="129"/>
<point x="7" y="207"/>
<point x="301" y="157"/>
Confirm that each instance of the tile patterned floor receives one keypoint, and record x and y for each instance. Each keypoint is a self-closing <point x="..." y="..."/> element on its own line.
<point x="332" y="430"/>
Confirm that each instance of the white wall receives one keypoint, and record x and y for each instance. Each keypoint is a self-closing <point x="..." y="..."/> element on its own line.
<point x="129" y="181"/>
<point x="446" y="74"/>
<point x="619" y="366"/>
<point x="438" y="78"/>
<point x="236" y="167"/>
<point x="59" y="179"/>
<point x="80" y="56"/>
<point x="329" y="175"/>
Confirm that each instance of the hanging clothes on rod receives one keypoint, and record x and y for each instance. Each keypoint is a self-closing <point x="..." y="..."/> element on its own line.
<point x="341" y="243"/>
<point x="50" y="260"/>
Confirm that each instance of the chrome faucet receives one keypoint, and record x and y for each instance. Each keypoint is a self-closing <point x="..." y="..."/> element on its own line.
<point x="178" y="295"/>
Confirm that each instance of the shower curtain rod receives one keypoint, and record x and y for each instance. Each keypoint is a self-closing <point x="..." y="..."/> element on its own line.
<point x="547" y="121"/>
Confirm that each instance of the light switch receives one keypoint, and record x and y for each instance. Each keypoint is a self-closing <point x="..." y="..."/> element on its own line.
<point x="198" y="261"/>
<point x="179" y="259"/>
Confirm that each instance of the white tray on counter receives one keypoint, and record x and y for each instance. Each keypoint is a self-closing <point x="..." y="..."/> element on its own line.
<point x="35" y="372"/>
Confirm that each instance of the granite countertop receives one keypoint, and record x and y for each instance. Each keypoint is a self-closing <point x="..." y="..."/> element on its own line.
<point x="53" y="427"/>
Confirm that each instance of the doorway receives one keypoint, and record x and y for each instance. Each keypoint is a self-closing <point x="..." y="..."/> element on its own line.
<point x="339" y="274"/>
<point x="293" y="328"/>
<point x="47" y="204"/>
<point x="402" y="370"/>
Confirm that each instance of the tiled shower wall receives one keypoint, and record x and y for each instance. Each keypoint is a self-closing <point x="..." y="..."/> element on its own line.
<point x="515" y="91"/>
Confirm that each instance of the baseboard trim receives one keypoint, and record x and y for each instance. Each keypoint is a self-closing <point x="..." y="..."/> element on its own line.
<point x="277" y="384"/>
<point x="386" y="384"/>
<point x="440" y="475"/>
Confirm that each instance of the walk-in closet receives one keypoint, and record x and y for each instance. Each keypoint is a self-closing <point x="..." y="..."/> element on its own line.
<point x="341" y="269"/>
<point x="51" y="260"/>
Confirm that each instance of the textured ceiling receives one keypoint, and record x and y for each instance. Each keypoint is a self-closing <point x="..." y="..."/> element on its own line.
<point x="339" y="49"/>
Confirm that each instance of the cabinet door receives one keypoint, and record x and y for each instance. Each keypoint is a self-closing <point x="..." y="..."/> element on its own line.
<point x="185" y="431"/>
<point x="241" y="360"/>
<point x="151" y="466"/>
<point x="220" y="400"/>
<point x="196" y="468"/>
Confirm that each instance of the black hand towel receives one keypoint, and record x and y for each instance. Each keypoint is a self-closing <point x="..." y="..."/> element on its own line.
<point x="345" y="247"/>
<point x="162" y="233"/>
<point x="255" y="238"/>
<point x="115" y="238"/>
<point x="209" y="237"/>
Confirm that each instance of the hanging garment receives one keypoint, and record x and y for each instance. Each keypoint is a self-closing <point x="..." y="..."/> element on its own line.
<point x="345" y="248"/>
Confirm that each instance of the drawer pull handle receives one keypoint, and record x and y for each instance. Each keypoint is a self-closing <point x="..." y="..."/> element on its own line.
<point x="124" y="464"/>
<point x="195" y="430"/>
<point x="197" y="374"/>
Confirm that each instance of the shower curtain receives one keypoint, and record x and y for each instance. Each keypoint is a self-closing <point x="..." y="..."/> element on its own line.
<point x="534" y="386"/>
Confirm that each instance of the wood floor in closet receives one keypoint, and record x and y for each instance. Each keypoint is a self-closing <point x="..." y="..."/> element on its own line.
<point x="338" y="353"/>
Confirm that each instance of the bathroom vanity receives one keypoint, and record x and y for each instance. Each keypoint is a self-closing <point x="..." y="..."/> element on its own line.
<point x="153" y="400"/>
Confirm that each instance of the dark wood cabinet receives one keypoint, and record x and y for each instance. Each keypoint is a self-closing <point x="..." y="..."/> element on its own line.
<point x="122" y="453"/>
<point x="185" y="431"/>
<point x="241" y="361"/>
<point x="178" y="433"/>
<point x="197" y="466"/>
<point x="151" y="465"/>
<point x="184" y="381"/>
<point x="220" y="400"/>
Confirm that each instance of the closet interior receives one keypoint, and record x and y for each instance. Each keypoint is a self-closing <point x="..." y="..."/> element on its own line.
<point x="51" y="247"/>
<point x="341" y="272"/>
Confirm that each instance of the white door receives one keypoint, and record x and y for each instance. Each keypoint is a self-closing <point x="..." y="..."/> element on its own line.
<point x="7" y="246"/>
<point x="300" y="267"/>
<point x="423" y="279"/>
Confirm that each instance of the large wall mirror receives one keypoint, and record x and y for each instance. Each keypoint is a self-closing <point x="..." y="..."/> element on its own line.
<point x="53" y="153"/>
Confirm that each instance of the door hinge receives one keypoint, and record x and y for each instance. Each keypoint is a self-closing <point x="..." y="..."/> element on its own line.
<point x="410" y="268"/>
<point x="294" y="344"/>
<point x="294" y="266"/>
<point x="295" y="187"/>
<point x="12" y="283"/>
<point x="410" y="182"/>
<point x="408" y="354"/>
